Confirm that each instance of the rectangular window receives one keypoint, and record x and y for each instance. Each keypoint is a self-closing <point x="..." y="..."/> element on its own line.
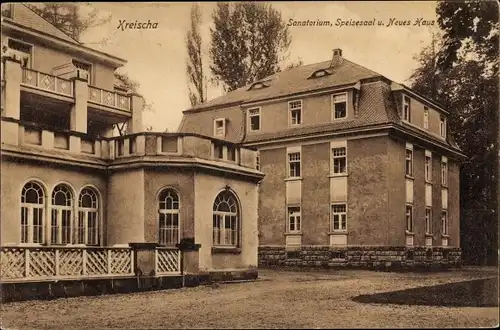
<point x="220" y="127"/>
<point x="444" y="173"/>
<point x="339" y="106"/>
<point x="406" y="108"/>
<point x="428" y="220"/>
<point x="84" y="70"/>
<point x="218" y="150"/>
<point x="257" y="162"/>
<point x="444" y="223"/>
<point x="428" y="169"/>
<point x="23" y="51"/>
<point x="339" y="160"/>
<point x="254" y="119"/>
<point x="231" y="153"/>
<point x="426" y="118"/>
<point x="294" y="165"/>
<point x="295" y="110"/>
<point x="293" y="219"/>
<point x="339" y="217"/>
<point x="409" y="218"/>
<point x="409" y="162"/>
<point x="442" y="126"/>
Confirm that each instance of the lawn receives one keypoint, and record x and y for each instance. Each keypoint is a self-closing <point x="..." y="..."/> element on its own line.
<point x="284" y="299"/>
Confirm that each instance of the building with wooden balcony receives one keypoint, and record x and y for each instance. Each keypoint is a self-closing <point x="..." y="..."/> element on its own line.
<point x="360" y="170"/>
<point x="80" y="204"/>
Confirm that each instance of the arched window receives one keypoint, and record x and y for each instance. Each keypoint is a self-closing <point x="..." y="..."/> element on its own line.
<point x="32" y="206"/>
<point x="61" y="215"/>
<point x="87" y="227"/>
<point x="225" y="219"/>
<point x="168" y="212"/>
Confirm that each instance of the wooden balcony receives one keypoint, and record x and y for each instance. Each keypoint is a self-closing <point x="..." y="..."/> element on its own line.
<point x="46" y="82"/>
<point x="110" y="99"/>
<point x="23" y="264"/>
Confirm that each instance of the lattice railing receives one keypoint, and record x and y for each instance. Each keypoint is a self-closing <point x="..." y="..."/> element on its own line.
<point x="109" y="98"/>
<point x="167" y="261"/>
<point x="47" y="82"/>
<point x="45" y="263"/>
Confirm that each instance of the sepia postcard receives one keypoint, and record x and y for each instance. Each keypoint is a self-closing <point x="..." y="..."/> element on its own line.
<point x="256" y="165"/>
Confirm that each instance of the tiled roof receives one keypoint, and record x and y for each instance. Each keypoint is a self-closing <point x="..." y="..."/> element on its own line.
<point x="26" y="17"/>
<point x="295" y="81"/>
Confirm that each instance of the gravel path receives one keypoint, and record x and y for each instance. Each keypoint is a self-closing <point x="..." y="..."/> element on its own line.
<point x="279" y="299"/>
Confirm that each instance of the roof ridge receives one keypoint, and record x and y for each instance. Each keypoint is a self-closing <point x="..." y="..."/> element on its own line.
<point x="46" y="20"/>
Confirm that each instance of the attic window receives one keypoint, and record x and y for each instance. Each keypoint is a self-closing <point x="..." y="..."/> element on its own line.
<point x="220" y="127"/>
<point x="259" y="85"/>
<point x="320" y="73"/>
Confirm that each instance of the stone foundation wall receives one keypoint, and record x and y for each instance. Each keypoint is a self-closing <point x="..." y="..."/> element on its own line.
<point x="371" y="257"/>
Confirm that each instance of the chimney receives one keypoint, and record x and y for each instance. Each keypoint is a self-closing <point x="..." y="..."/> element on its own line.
<point x="337" y="58"/>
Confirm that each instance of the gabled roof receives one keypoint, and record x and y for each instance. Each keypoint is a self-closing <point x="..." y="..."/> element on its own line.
<point x="293" y="81"/>
<point x="27" y="17"/>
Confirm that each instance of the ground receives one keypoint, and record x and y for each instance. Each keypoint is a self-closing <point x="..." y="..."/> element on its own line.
<point x="284" y="299"/>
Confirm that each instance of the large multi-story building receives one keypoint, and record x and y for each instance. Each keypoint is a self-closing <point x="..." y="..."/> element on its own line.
<point x="360" y="170"/>
<point x="73" y="196"/>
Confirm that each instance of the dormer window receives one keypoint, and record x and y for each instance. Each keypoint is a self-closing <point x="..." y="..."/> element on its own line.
<point x="254" y="119"/>
<point x="339" y="106"/>
<point x="442" y="126"/>
<point x="295" y="112"/>
<point x="220" y="127"/>
<point x="83" y="70"/>
<point x="320" y="73"/>
<point x="406" y="108"/>
<point x="260" y="85"/>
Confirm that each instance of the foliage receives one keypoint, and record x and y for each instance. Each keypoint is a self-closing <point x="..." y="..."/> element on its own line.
<point x="457" y="70"/>
<point x="247" y="43"/>
<point x="194" y="64"/>
<point x="67" y="17"/>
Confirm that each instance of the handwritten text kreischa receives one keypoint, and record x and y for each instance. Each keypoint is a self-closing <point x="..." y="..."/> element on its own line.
<point x="137" y="25"/>
<point x="420" y="21"/>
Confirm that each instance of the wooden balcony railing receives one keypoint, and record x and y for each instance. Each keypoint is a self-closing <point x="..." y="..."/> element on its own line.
<point x="167" y="261"/>
<point x="109" y="98"/>
<point x="47" y="82"/>
<point x="20" y="264"/>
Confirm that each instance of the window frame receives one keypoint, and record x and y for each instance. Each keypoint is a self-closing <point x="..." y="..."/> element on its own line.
<point x="295" y="217"/>
<point x="442" y="126"/>
<point x="444" y="222"/>
<point x="223" y="120"/>
<point x="428" y="220"/>
<point x="250" y="116"/>
<point x="86" y="211"/>
<point x="342" y="226"/>
<point x="406" y="114"/>
<point x="222" y="220"/>
<point x="295" y="161"/>
<point x="61" y="214"/>
<point x="172" y="231"/>
<point x="444" y="173"/>
<point x="333" y="157"/>
<point x="409" y="162"/>
<point x="428" y="168"/>
<point x="292" y="110"/>
<point x="426" y="117"/>
<point x="28" y="212"/>
<point x="409" y="218"/>
<point x="345" y="94"/>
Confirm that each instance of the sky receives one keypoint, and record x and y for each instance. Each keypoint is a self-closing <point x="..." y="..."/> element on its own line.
<point x="157" y="56"/>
